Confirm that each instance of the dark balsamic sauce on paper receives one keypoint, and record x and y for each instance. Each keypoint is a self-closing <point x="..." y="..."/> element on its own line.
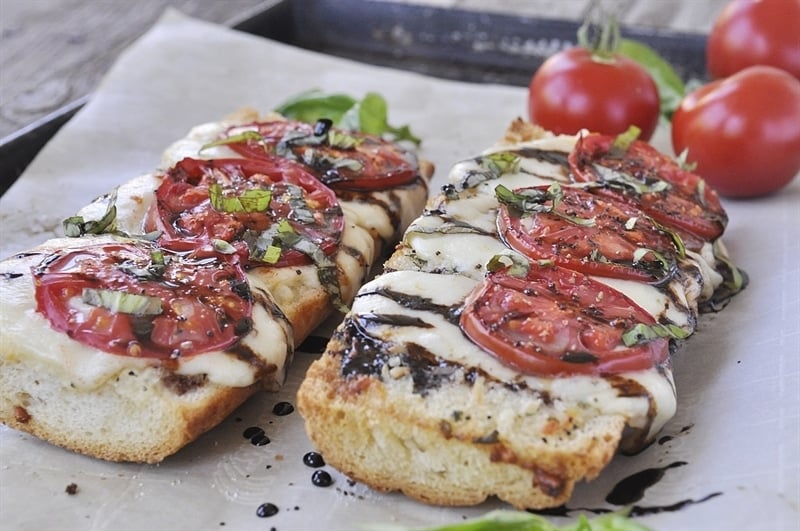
<point x="282" y="409"/>
<point x="313" y="460"/>
<point x="629" y="491"/>
<point x="256" y="435"/>
<point x="266" y="510"/>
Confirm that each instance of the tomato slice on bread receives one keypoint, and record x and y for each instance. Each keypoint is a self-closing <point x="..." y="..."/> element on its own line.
<point x="135" y="299"/>
<point x="669" y="194"/>
<point x="551" y="321"/>
<point x="260" y="204"/>
<point x="584" y="232"/>
<point x="342" y="160"/>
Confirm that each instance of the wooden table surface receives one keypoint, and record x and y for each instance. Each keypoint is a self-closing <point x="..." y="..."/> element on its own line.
<point x="55" y="52"/>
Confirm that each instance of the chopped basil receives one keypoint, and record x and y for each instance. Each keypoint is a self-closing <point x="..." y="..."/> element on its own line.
<point x="272" y="254"/>
<point x="254" y="200"/>
<point x="490" y="167"/>
<point x="683" y="161"/>
<point x="516" y="265"/>
<point x="622" y="142"/>
<point x="268" y="246"/>
<point x="122" y="302"/>
<point x="244" y="136"/>
<point x="736" y="280"/>
<point x="76" y="226"/>
<point x="676" y="238"/>
<point x="224" y="247"/>
<point x="342" y="140"/>
<point x="641" y="252"/>
<point x="152" y="271"/>
<point x="319" y="159"/>
<point x="623" y="180"/>
<point x="531" y="201"/>
<point x="642" y="333"/>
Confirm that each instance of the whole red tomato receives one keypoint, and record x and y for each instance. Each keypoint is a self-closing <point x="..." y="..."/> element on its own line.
<point x="573" y="90"/>
<point x="743" y="132"/>
<point x="750" y="32"/>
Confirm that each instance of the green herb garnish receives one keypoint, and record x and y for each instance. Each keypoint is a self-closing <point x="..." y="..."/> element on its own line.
<point x="507" y="520"/>
<point x="532" y="201"/>
<point x="256" y="200"/>
<point x="369" y="115"/>
<point x="642" y="333"/>
<point x="122" y="302"/>
<point x="77" y="226"/>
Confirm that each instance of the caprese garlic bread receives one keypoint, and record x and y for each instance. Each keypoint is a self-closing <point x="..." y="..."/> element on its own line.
<point x="521" y="333"/>
<point x="184" y="291"/>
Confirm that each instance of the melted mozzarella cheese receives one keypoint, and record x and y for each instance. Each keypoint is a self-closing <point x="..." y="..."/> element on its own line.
<point x="28" y="335"/>
<point x="133" y="200"/>
<point x="447" y="342"/>
<point x="468" y="253"/>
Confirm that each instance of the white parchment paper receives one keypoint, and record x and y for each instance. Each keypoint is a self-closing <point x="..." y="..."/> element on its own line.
<point x="737" y="430"/>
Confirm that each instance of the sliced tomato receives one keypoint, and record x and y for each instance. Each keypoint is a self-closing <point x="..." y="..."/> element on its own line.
<point x="583" y="232"/>
<point x="556" y="322"/>
<point x="342" y="160"/>
<point x="672" y="196"/>
<point x="184" y="209"/>
<point x="195" y="305"/>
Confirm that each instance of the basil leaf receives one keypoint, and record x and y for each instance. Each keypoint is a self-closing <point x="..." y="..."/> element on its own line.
<point x="254" y="200"/>
<point x="77" y="226"/>
<point x="369" y="115"/>
<point x="234" y="139"/>
<point x="122" y="302"/>
<point x="642" y="333"/>
<point x="516" y="264"/>
<point x="531" y="201"/>
<point x="508" y="520"/>
<point x="314" y="104"/>
<point x="670" y="86"/>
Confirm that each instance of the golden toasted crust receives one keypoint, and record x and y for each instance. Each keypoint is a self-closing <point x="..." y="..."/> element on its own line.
<point x="521" y="131"/>
<point x="449" y="447"/>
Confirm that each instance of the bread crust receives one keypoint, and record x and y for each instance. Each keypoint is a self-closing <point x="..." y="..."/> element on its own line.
<point x="450" y="450"/>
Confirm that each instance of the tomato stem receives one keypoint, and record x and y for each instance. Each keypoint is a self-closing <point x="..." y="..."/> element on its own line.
<point x="600" y="34"/>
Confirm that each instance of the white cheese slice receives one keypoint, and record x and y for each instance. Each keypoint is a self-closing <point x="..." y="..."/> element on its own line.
<point x="447" y="342"/>
<point x="29" y="336"/>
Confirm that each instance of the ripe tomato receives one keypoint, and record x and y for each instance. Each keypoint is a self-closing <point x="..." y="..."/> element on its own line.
<point x="138" y="306"/>
<point x="674" y="197"/>
<point x="583" y="232"/>
<point x="743" y="132"/>
<point x="185" y="213"/>
<point x="556" y="322"/>
<point x="341" y="160"/>
<point x="749" y="32"/>
<point x="572" y="90"/>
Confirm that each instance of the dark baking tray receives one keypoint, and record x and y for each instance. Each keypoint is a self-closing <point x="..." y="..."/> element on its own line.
<point x="455" y="44"/>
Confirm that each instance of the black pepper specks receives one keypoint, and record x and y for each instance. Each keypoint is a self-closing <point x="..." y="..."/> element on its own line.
<point x="71" y="489"/>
